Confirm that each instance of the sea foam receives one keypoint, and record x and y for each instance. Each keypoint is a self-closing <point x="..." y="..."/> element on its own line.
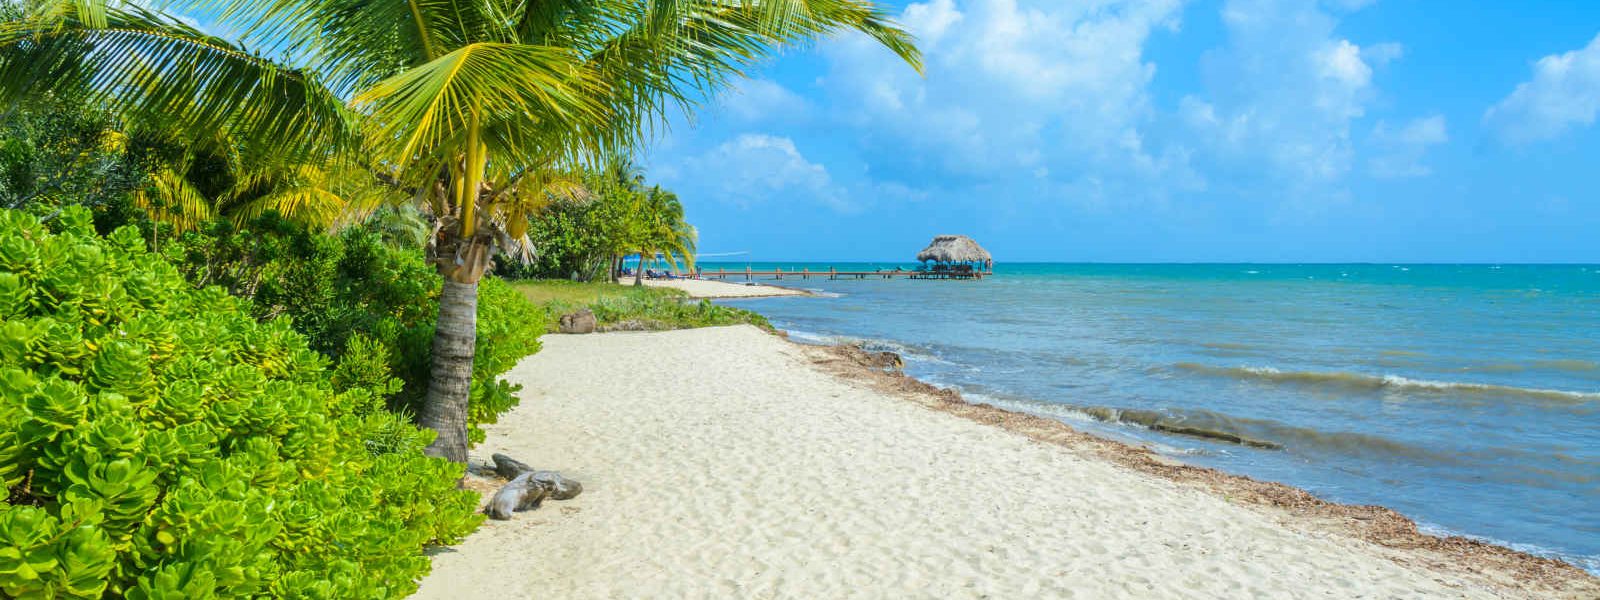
<point x="1365" y="381"/>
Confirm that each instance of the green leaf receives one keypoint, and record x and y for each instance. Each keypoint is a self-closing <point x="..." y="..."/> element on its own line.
<point x="157" y="70"/>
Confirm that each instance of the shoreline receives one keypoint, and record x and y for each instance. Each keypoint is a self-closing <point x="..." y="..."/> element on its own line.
<point x="746" y="424"/>
<point x="1494" y="565"/>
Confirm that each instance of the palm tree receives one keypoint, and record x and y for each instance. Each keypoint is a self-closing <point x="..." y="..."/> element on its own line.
<point x="621" y="177"/>
<point x="673" y="236"/>
<point x="465" y="104"/>
<point x="662" y="229"/>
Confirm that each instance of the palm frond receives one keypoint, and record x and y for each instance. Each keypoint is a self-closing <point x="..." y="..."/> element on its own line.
<point x="169" y="197"/>
<point x="156" y="70"/>
<point x="400" y="226"/>
<point x="657" y="55"/>
<point x="328" y="197"/>
<point x="427" y="109"/>
<point x="530" y="195"/>
<point x="308" y="205"/>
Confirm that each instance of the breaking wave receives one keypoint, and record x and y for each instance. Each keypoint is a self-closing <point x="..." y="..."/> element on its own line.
<point x="1361" y="381"/>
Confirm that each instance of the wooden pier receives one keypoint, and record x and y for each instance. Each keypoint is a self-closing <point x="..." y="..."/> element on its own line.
<point x="751" y="275"/>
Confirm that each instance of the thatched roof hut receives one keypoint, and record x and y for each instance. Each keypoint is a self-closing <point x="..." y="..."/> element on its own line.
<point x="955" y="249"/>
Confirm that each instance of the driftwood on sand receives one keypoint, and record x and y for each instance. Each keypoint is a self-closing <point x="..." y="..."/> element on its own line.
<point x="527" y="488"/>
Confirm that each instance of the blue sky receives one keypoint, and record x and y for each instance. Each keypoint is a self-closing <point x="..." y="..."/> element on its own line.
<point x="1166" y="130"/>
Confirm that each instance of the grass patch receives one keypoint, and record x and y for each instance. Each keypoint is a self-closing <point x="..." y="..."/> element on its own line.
<point x="561" y="292"/>
<point x="625" y="307"/>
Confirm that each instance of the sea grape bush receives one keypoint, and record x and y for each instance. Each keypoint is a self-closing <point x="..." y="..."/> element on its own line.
<point x="157" y="441"/>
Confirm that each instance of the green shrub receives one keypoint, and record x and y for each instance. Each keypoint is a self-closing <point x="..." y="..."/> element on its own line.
<point x="56" y="151"/>
<point x="337" y="289"/>
<point x="508" y="330"/>
<point x="159" y="442"/>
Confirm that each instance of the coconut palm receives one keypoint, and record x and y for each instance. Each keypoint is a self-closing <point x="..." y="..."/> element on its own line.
<point x="620" y="180"/>
<point x="662" y="230"/>
<point x="671" y="235"/>
<point x="468" y="105"/>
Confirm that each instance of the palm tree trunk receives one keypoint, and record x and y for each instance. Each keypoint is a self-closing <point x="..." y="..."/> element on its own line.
<point x="638" y="274"/>
<point x="450" y="384"/>
<point x="461" y="261"/>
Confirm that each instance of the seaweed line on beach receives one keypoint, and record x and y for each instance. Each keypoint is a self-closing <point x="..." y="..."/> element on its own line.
<point x="1508" y="572"/>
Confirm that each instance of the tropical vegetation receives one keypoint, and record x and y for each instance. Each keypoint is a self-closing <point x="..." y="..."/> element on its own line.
<point x="235" y="274"/>
<point x="357" y="284"/>
<point x="160" y="442"/>
<point x="478" y="110"/>
<point x="588" y="238"/>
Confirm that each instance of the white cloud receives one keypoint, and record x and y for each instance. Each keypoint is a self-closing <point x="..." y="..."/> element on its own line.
<point x="1284" y="93"/>
<point x="1564" y="93"/>
<point x="1347" y="79"/>
<point x="1401" y="150"/>
<point x="1383" y="53"/>
<point x="1351" y="5"/>
<point x="756" y="168"/>
<point x="1342" y="62"/>
<point x="1051" y="101"/>
<point x="758" y="99"/>
<point x="931" y="20"/>
<point x="1012" y="86"/>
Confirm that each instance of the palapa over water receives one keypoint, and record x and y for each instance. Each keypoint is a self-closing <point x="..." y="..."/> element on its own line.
<point x="954" y="249"/>
<point x="955" y="256"/>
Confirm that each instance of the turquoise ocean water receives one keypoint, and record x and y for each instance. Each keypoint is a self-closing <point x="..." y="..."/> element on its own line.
<point x="1464" y="396"/>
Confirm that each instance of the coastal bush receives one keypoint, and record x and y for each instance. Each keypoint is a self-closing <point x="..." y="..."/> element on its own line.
<point x="158" y="441"/>
<point x="508" y="330"/>
<point x="57" y="151"/>
<point x="574" y="241"/>
<point x="338" y="288"/>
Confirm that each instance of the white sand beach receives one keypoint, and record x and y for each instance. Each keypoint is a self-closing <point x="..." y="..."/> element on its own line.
<point x="726" y="463"/>
<point x="706" y="288"/>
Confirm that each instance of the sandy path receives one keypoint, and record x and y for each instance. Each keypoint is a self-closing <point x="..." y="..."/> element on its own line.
<point x="725" y="465"/>
<point x="706" y="288"/>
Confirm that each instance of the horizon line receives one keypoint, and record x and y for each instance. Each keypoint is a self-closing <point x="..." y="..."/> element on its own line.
<point x="1114" y="262"/>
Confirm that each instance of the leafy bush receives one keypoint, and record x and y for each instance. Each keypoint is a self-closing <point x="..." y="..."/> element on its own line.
<point x="336" y="289"/>
<point x="160" y="442"/>
<point x="56" y="151"/>
<point x="573" y="240"/>
<point x="508" y="330"/>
